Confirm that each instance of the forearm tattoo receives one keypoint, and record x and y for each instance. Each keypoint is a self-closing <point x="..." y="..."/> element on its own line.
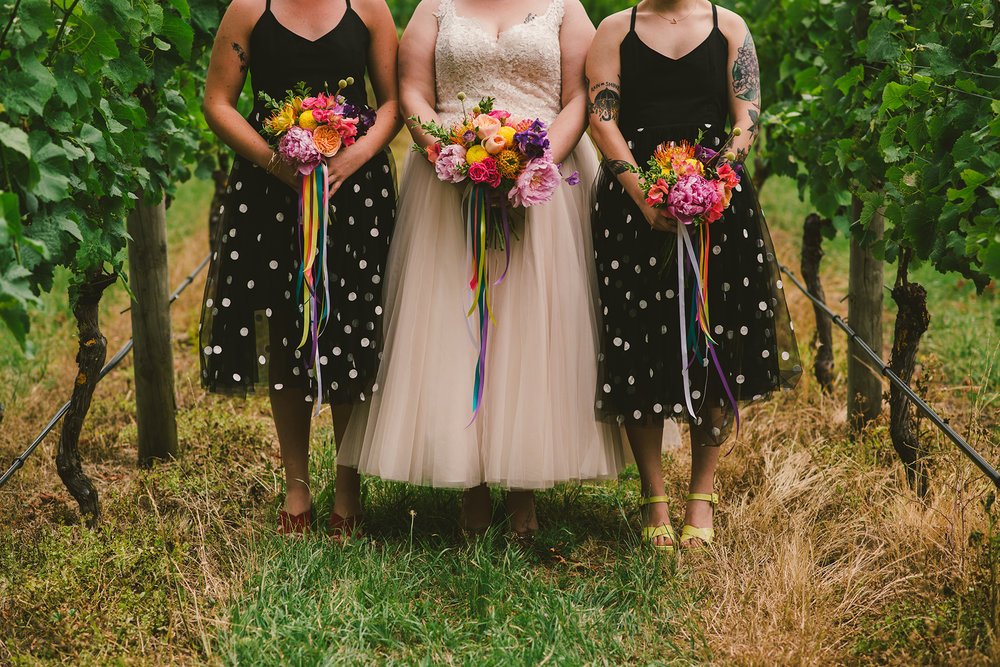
<point x="244" y="65"/>
<point x="606" y="103"/>
<point x="617" y="166"/>
<point x="746" y="72"/>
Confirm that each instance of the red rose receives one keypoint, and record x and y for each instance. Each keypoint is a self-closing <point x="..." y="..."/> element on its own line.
<point x="485" y="171"/>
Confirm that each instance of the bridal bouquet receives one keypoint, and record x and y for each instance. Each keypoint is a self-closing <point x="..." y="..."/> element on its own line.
<point x="304" y="129"/>
<point x="694" y="185"/>
<point x="509" y="167"/>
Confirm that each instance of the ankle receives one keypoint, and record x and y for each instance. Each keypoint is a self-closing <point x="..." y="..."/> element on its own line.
<point x="297" y="500"/>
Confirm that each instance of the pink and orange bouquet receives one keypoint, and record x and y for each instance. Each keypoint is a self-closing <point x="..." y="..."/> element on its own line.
<point x="492" y="149"/>
<point x="691" y="182"/>
<point x="304" y="130"/>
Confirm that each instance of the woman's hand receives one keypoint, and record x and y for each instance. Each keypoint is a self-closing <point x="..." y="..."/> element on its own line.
<point x="342" y="166"/>
<point x="657" y="218"/>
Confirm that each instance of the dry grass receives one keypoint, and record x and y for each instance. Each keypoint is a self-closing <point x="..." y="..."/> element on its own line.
<point x="824" y="556"/>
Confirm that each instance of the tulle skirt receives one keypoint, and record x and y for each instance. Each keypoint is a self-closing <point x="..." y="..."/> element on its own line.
<point x="536" y="425"/>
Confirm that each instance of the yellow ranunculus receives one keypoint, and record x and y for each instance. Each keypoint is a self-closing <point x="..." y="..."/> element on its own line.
<point x="307" y="122"/>
<point x="476" y="154"/>
<point x="508" y="134"/>
<point x="281" y="121"/>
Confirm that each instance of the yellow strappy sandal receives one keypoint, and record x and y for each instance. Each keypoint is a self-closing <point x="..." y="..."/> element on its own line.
<point x="706" y="535"/>
<point x="651" y="533"/>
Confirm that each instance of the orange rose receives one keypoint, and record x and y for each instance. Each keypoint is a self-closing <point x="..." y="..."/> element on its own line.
<point x="495" y="144"/>
<point x="486" y="126"/>
<point x="327" y="141"/>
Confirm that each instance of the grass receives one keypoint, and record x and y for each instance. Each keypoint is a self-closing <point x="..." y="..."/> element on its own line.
<point x="824" y="557"/>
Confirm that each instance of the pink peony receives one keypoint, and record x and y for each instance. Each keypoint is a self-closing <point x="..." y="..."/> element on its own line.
<point x="449" y="163"/>
<point x="657" y="193"/>
<point x="536" y="183"/>
<point x="691" y="197"/>
<point x="500" y="114"/>
<point x="485" y="171"/>
<point x="297" y="148"/>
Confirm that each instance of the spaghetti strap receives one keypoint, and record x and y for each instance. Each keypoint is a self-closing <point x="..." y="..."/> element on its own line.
<point x="631" y="27"/>
<point x="715" y="13"/>
<point x="348" y="4"/>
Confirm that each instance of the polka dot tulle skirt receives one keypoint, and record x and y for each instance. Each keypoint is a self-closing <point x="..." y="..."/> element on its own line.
<point x="640" y="362"/>
<point x="252" y="319"/>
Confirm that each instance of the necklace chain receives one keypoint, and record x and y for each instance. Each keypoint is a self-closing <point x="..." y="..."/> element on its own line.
<point x="674" y="21"/>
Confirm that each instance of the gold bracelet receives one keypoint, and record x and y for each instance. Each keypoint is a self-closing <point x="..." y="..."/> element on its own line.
<point x="272" y="163"/>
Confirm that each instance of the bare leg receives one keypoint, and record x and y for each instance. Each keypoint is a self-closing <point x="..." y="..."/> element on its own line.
<point x="347" y="489"/>
<point x="646" y="442"/>
<point x="704" y="461"/>
<point x="477" y="509"/>
<point x="521" y="507"/>
<point x="292" y="416"/>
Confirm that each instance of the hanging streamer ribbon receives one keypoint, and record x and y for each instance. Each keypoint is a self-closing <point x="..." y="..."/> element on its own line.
<point x="313" y="284"/>
<point x="689" y="329"/>
<point x="487" y="223"/>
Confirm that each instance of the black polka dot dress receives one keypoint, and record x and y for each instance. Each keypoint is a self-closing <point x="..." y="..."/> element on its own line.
<point x="251" y="322"/>
<point x="640" y="380"/>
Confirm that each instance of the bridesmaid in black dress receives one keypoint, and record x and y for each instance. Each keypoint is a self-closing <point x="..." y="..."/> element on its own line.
<point x="665" y="70"/>
<point x="251" y="320"/>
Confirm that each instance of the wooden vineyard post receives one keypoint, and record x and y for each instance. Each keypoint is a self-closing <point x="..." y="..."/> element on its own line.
<point x="154" y="361"/>
<point x="864" y="314"/>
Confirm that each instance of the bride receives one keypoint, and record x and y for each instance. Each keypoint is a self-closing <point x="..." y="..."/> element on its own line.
<point x="536" y="425"/>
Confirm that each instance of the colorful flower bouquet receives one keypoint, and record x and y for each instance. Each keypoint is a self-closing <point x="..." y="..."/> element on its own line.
<point x="304" y="129"/>
<point x="509" y="167"/>
<point x="694" y="185"/>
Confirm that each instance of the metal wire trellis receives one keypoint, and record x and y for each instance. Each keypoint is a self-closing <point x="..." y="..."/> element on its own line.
<point x="108" y="367"/>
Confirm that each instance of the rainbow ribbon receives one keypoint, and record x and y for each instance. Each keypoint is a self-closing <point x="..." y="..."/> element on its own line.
<point x="313" y="284"/>
<point x="699" y="324"/>
<point x="487" y="221"/>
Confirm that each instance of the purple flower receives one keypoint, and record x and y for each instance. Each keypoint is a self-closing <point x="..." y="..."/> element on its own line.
<point x="691" y="197"/>
<point x="364" y="113"/>
<point x="533" y="142"/>
<point x="574" y="178"/>
<point x="535" y="184"/>
<point x="449" y="164"/>
<point x="704" y="153"/>
<point x="469" y="136"/>
<point x="297" y="148"/>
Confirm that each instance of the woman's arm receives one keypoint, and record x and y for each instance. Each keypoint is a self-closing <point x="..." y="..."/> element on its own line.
<point x="382" y="72"/>
<point x="575" y="38"/>
<point x="744" y="82"/>
<point x="227" y="71"/>
<point x="604" y="102"/>
<point x="416" y="70"/>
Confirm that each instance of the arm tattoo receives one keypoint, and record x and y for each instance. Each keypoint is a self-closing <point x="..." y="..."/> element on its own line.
<point x="754" y="121"/>
<point x="244" y="65"/>
<point x="746" y="72"/>
<point x="617" y="166"/>
<point x="606" y="103"/>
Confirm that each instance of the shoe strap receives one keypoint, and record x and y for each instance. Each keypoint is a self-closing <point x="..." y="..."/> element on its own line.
<point x="689" y="532"/>
<point x="653" y="500"/>
<point x="712" y="498"/>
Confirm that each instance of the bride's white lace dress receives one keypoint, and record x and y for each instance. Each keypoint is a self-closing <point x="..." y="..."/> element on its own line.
<point x="537" y="425"/>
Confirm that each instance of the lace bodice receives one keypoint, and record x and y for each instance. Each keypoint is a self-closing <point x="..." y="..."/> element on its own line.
<point x="522" y="68"/>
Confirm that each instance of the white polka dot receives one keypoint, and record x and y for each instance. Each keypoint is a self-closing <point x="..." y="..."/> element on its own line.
<point x="352" y="373"/>
<point x="614" y="264"/>
<point x="762" y="305"/>
<point x="262" y="359"/>
<point x="716" y="250"/>
<point x="765" y="354"/>
<point x="232" y="232"/>
<point x="208" y="303"/>
<point x="744" y="330"/>
<point x="279" y="386"/>
<point x="364" y="342"/>
<point x="385" y="193"/>
<point x="374" y="231"/>
<point x="362" y="264"/>
<point x="652" y="261"/>
<point x="244" y="331"/>
<point x="696" y="394"/>
<point x="718" y="328"/>
<point x="669" y="294"/>
<point x="336" y="351"/>
<point x="378" y="310"/>
<point x="631" y="379"/>
<point x="323" y="360"/>
<point x="369" y="202"/>
<point x="217" y="349"/>
<point x="280" y="217"/>
<point x="357" y="187"/>
<point x="226" y="302"/>
<point x="780" y="285"/>
<point x="250" y="284"/>
<point x="607" y="388"/>
<point x="785" y="355"/>
<point x="296" y="371"/>
<point x="617" y="341"/>
<point x="207" y="351"/>
<point x="236" y="377"/>
<point x="267" y="312"/>
<point x="657" y="408"/>
<point x="740" y="379"/>
<point x="678" y="407"/>
<point x="637" y="414"/>
<point x="642" y="303"/>
<point x="352" y="296"/>
<point x="234" y="255"/>
<point x="243" y="208"/>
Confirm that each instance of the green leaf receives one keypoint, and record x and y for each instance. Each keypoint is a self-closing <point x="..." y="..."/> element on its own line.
<point x="179" y="33"/>
<point x="894" y="96"/>
<point x="15" y="139"/>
